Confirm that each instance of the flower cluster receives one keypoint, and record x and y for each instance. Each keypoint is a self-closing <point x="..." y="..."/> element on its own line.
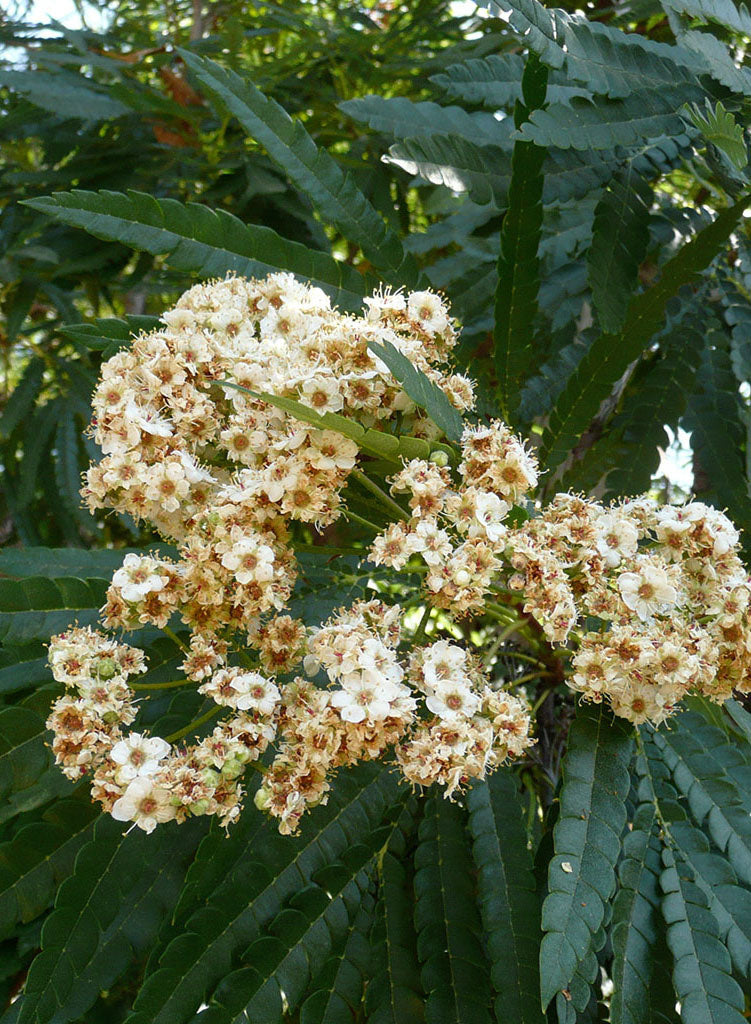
<point x="651" y="601"/>
<point x="144" y="779"/>
<point x="648" y="603"/>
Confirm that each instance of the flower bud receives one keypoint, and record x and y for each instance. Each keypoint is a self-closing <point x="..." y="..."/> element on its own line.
<point x="199" y="807"/>
<point x="462" y="578"/>
<point x="439" y="458"/>
<point x="210" y="777"/>
<point x="232" y="768"/>
<point x="262" y="799"/>
<point x="107" y="668"/>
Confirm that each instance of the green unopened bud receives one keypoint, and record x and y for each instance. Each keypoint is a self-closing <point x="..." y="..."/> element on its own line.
<point x="199" y="807"/>
<point x="107" y="668"/>
<point x="439" y="458"/>
<point x="232" y="768"/>
<point x="210" y="777"/>
<point x="110" y="717"/>
<point x="262" y="799"/>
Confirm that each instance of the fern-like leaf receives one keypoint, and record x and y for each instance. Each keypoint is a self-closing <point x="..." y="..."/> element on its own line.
<point x="508" y="902"/>
<point x="707" y="992"/>
<point x="587" y="838"/>
<point x="719" y="127"/>
<point x="639" y="988"/>
<point x="266" y="869"/>
<point x="619" y="243"/>
<point x="111" y="906"/>
<point x="713" y="797"/>
<point x="39" y="857"/>
<point x="197" y="240"/>
<point x="454" y="969"/>
<point x="421" y="390"/>
<point x="606" y="124"/>
<point x="518" y="261"/>
<point x="610" y="355"/>
<point x="333" y="193"/>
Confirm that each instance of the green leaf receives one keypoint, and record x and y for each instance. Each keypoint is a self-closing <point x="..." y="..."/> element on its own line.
<point x="18" y="563"/>
<point x="63" y="94"/>
<point x="242" y="892"/>
<point x="39" y="857"/>
<point x="717" y="420"/>
<point x="704" y="985"/>
<point x="619" y="244"/>
<point x="400" y="118"/>
<point x="606" y="124"/>
<point x="394" y="993"/>
<point x="421" y="390"/>
<point x="610" y="355"/>
<point x="454" y="972"/>
<point x="723" y="12"/>
<point x="495" y="82"/>
<point x="391" y="447"/>
<point x="68" y="469"/>
<point x="198" y="240"/>
<point x="518" y="261"/>
<point x="109" y="334"/>
<point x="508" y="902"/>
<point x="720" y="128"/>
<point x="587" y="840"/>
<point x="23" y="397"/>
<point x="485" y="171"/>
<point x="333" y="193"/>
<point x="36" y="607"/>
<point x="338" y="988"/>
<point x="24" y="758"/>
<point x="713" y="797"/>
<point x="37" y="446"/>
<point x="638" y="928"/>
<point x="109" y="910"/>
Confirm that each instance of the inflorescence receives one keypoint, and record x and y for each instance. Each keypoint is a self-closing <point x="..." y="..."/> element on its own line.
<point x="649" y="602"/>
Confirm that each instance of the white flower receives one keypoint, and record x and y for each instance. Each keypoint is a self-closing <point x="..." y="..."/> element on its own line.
<point x="138" y="577"/>
<point x="322" y="394"/>
<point x="381" y="304"/>
<point x="145" y="803"/>
<point x="250" y="560"/>
<point x="453" y="703"/>
<point x="364" y="698"/>
<point x="617" y="538"/>
<point x="647" y="591"/>
<point x="443" y="664"/>
<point x="256" y="693"/>
<point x="433" y="543"/>
<point x="428" y="310"/>
<point x="138" y="756"/>
<point x="490" y="512"/>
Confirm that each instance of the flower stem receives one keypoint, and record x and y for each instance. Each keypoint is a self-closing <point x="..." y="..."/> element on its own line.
<point x="160" y="686"/>
<point x="192" y="726"/>
<point x="363" y="522"/>
<point x="174" y="638"/>
<point x="420" y="631"/>
<point x="384" y="498"/>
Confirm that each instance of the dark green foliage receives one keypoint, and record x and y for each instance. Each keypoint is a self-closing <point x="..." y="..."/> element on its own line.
<point x="197" y="240"/>
<point x="421" y="390"/>
<point x="574" y="183"/>
<point x="619" y="243"/>
<point x="509" y="906"/>
<point x="454" y="970"/>
<point x="587" y="843"/>
<point x="518" y="262"/>
<point x="610" y="355"/>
